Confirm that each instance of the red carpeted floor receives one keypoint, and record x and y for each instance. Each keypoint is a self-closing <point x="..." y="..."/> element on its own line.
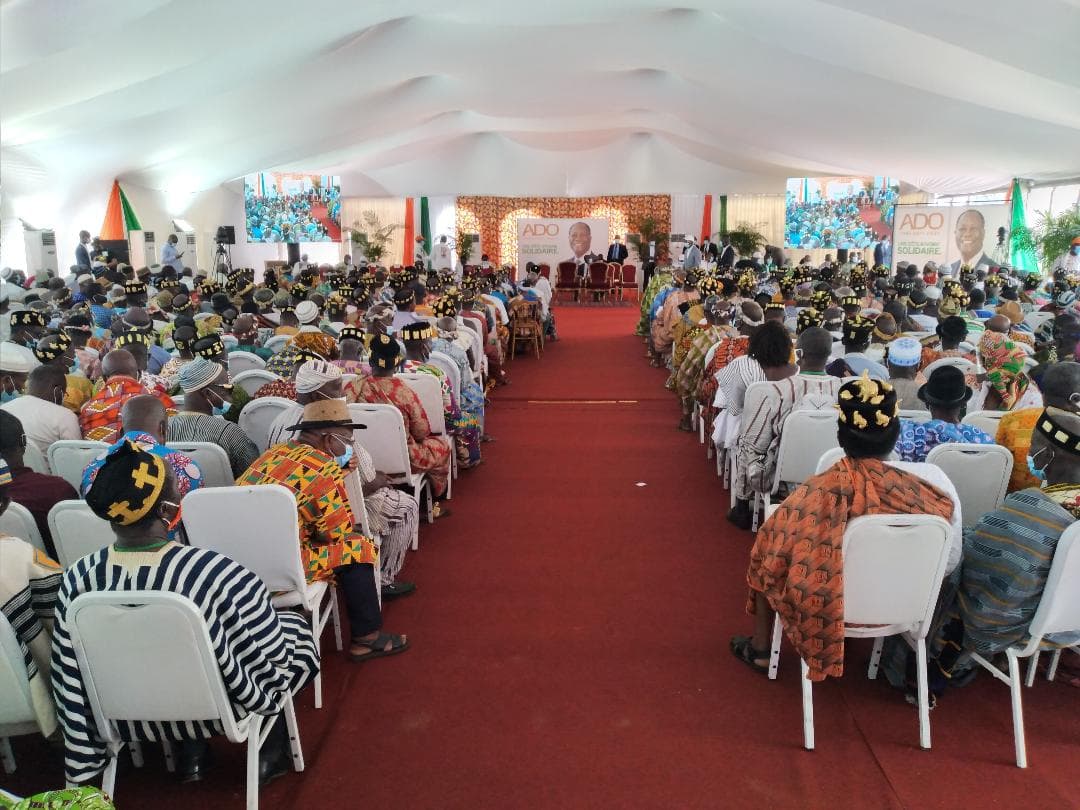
<point x="320" y="212"/>
<point x="871" y="215"/>
<point x="570" y="650"/>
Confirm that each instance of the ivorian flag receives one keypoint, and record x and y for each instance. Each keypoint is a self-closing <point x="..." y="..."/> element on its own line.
<point x="119" y="216"/>
<point x="425" y="225"/>
<point x="1022" y="257"/>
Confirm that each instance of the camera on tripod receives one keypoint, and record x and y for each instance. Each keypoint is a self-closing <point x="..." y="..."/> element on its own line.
<point x="226" y="235"/>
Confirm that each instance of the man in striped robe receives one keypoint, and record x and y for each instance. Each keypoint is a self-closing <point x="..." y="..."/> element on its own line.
<point x="263" y="654"/>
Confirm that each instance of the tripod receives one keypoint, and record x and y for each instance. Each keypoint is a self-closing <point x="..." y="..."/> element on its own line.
<point x="222" y="262"/>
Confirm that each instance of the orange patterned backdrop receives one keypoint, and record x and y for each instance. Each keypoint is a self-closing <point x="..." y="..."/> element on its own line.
<point x="495" y="218"/>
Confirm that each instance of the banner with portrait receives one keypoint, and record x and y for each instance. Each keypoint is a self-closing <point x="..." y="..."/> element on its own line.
<point x="550" y="241"/>
<point x="951" y="236"/>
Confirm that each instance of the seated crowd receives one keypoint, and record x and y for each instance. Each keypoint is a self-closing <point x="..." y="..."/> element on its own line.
<point x="139" y="363"/>
<point x="902" y="361"/>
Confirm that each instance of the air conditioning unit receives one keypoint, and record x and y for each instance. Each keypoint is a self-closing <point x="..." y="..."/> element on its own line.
<point x="142" y="248"/>
<point x="40" y="251"/>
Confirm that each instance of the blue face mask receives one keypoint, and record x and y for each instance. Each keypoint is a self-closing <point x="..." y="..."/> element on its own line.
<point x="1037" y="472"/>
<point x="344" y="459"/>
<point x="8" y="396"/>
<point x="221" y="410"/>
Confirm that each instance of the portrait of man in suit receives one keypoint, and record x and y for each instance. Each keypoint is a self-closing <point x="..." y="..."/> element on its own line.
<point x="969" y="233"/>
<point x="580" y="235"/>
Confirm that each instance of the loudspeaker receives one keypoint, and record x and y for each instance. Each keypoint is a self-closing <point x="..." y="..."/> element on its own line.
<point x="226" y="235"/>
<point x="294" y="252"/>
<point x="841" y="255"/>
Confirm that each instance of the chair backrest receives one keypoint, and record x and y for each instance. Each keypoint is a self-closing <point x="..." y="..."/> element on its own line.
<point x="449" y="368"/>
<point x="545" y="271"/>
<point x="18" y="522"/>
<point x="35" y="460"/>
<point x="893" y="567"/>
<point x="986" y="421"/>
<point x="599" y="273"/>
<point x="1059" y="608"/>
<point x="241" y="361"/>
<point x="429" y="391"/>
<point x="268" y="545"/>
<point x="629" y="275"/>
<point x="276" y="343"/>
<point x="69" y="458"/>
<point x="567" y="275"/>
<point x="383" y="436"/>
<point x="229" y="341"/>
<point x="804" y="438"/>
<point x="961" y="363"/>
<point x="76" y="531"/>
<point x="251" y="381"/>
<point x="16" y="706"/>
<point x="710" y="354"/>
<point x="211" y="459"/>
<point x="828" y="458"/>
<point x="258" y="416"/>
<point x="474" y="325"/>
<point x="1037" y="319"/>
<point x="146" y="655"/>
<point x="980" y="473"/>
<point x="914" y="415"/>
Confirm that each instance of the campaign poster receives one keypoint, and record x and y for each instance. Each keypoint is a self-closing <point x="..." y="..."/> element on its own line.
<point x="951" y="236"/>
<point x="550" y="241"/>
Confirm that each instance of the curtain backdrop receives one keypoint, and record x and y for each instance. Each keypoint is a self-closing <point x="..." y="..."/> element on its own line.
<point x="389" y="210"/>
<point x="495" y="218"/>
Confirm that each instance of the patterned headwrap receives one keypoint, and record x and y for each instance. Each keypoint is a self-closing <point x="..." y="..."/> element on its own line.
<point x="807" y="318"/>
<point x="1004" y="362"/>
<point x="315" y="374"/>
<point x="128" y="486"/>
<point x="867" y="405"/>
<point x="58" y="347"/>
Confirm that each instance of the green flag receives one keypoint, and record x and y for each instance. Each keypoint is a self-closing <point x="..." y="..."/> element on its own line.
<point x="1021" y="255"/>
<point x="425" y="226"/>
<point x="131" y="222"/>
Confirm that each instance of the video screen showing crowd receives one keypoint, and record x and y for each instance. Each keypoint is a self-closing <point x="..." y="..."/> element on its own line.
<point x="838" y="212"/>
<point x="292" y="207"/>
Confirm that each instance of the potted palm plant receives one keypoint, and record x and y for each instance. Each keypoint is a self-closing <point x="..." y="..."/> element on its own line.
<point x="372" y="238"/>
<point x="745" y="239"/>
<point x="648" y="230"/>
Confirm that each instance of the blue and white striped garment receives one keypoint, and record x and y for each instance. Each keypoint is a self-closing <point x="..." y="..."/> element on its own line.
<point x="261" y="653"/>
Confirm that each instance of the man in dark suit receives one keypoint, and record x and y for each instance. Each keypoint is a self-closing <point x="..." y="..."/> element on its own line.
<point x="728" y="254"/>
<point x="82" y="255"/>
<point x="617" y="251"/>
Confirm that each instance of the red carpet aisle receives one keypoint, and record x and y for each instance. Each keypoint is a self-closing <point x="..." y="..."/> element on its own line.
<point x="570" y="646"/>
<point x="322" y="215"/>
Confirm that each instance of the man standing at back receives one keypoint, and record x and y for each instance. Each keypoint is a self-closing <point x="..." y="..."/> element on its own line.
<point x="617" y="251"/>
<point x="82" y="253"/>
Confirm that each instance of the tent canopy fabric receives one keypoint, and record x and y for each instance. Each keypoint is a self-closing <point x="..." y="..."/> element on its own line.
<point x="567" y="97"/>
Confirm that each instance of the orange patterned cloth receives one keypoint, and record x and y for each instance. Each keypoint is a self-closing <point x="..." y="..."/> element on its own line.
<point x="99" y="419"/>
<point x="328" y="536"/>
<point x="797" y="560"/>
<point x="1014" y="434"/>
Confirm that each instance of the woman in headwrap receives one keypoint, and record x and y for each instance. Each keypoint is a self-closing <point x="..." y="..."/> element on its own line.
<point x="1007" y="385"/>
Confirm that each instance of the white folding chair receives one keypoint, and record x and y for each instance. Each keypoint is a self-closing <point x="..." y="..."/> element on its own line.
<point x="76" y="531"/>
<point x="980" y="473"/>
<point x="259" y="415"/>
<point x="211" y="459"/>
<point x="961" y="363"/>
<point x="987" y="421"/>
<point x="383" y="436"/>
<point x="252" y="381"/>
<point x="33" y="458"/>
<point x="276" y="343"/>
<point x="17" y="715"/>
<point x="1036" y="319"/>
<point x="804" y="438"/>
<point x="446" y="364"/>
<point x="893" y="567"/>
<point x="914" y="415"/>
<point x="696" y="421"/>
<point x="269" y="547"/>
<point x="229" y="342"/>
<point x="429" y="391"/>
<point x="241" y="361"/>
<point x="1058" y="612"/>
<point x="147" y="656"/>
<point x="18" y="522"/>
<point x="69" y="458"/>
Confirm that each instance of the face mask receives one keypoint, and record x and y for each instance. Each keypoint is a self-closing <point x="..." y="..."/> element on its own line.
<point x="1038" y="472"/>
<point x="8" y="396"/>
<point x="344" y="459"/>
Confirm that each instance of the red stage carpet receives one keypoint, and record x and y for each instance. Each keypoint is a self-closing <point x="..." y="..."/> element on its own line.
<point x="871" y="215"/>
<point x="570" y="646"/>
<point x="319" y="211"/>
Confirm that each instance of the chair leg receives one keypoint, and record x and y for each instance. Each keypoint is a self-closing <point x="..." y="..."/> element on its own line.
<point x="108" y="778"/>
<point x="136" y="754"/>
<point x="875" y="658"/>
<point x="317" y="627"/>
<point x="774" y="653"/>
<point x="295" y="750"/>
<point x="1033" y="665"/>
<point x="335" y="616"/>
<point x="1017" y="709"/>
<point x="1051" y="673"/>
<point x="254" y="743"/>
<point x="924" y="697"/>
<point x="807" y="707"/>
<point x="170" y="760"/>
<point x="7" y="756"/>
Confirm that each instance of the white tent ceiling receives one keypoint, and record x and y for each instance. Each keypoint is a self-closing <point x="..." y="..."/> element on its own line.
<point x="563" y="97"/>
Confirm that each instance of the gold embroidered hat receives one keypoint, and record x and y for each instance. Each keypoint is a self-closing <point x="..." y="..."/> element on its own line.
<point x="128" y="486"/>
<point x="1053" y="425"/>
<point x="385" y="352"/>
<point x="867" y="405"/>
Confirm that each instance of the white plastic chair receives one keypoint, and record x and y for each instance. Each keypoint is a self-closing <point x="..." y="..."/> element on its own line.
<point x="914" y="414"/>
<point x="258" y="417"/>
<point x="76" y="531"/>
<point x="980" y="473"/>
<point x="212" y="460"/>
<point x="446" y="364"/>
<point x="229" y="342"/>
<point x="276" y="343"/>
<point x="252" y="381"/>
<point x="33" y="458"/>
<point x="147" y="656"/>
<point x="269" y="546"/>
<point x="1058" y="612"/>
<point x="383" y="436"/>
<point x="1037" y="319"/>
<point x="241" y="361"/>
<point x="834" y="454"/>
<point x="893" y="567"/>
<point x="987" y="421"/>
<point x="17" y="715"/>
<point x="804" y="438"/>
<point x="961" y="363"/>
<point x="69" y="458"/>
<point x="429" y="391"/>
<point x="18" y="522"/>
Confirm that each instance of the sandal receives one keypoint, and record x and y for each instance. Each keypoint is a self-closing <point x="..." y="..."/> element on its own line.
<point x="398" y="644"/>
<point x="439" y="511"/>
<point x="743" y="649"/>
<point x="396" y="589"/>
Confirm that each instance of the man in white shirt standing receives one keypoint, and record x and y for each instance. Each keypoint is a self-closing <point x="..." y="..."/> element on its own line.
<point x="442" y="257"/>
<point x="170" y="256"/>
<point x="43" y="418"/>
